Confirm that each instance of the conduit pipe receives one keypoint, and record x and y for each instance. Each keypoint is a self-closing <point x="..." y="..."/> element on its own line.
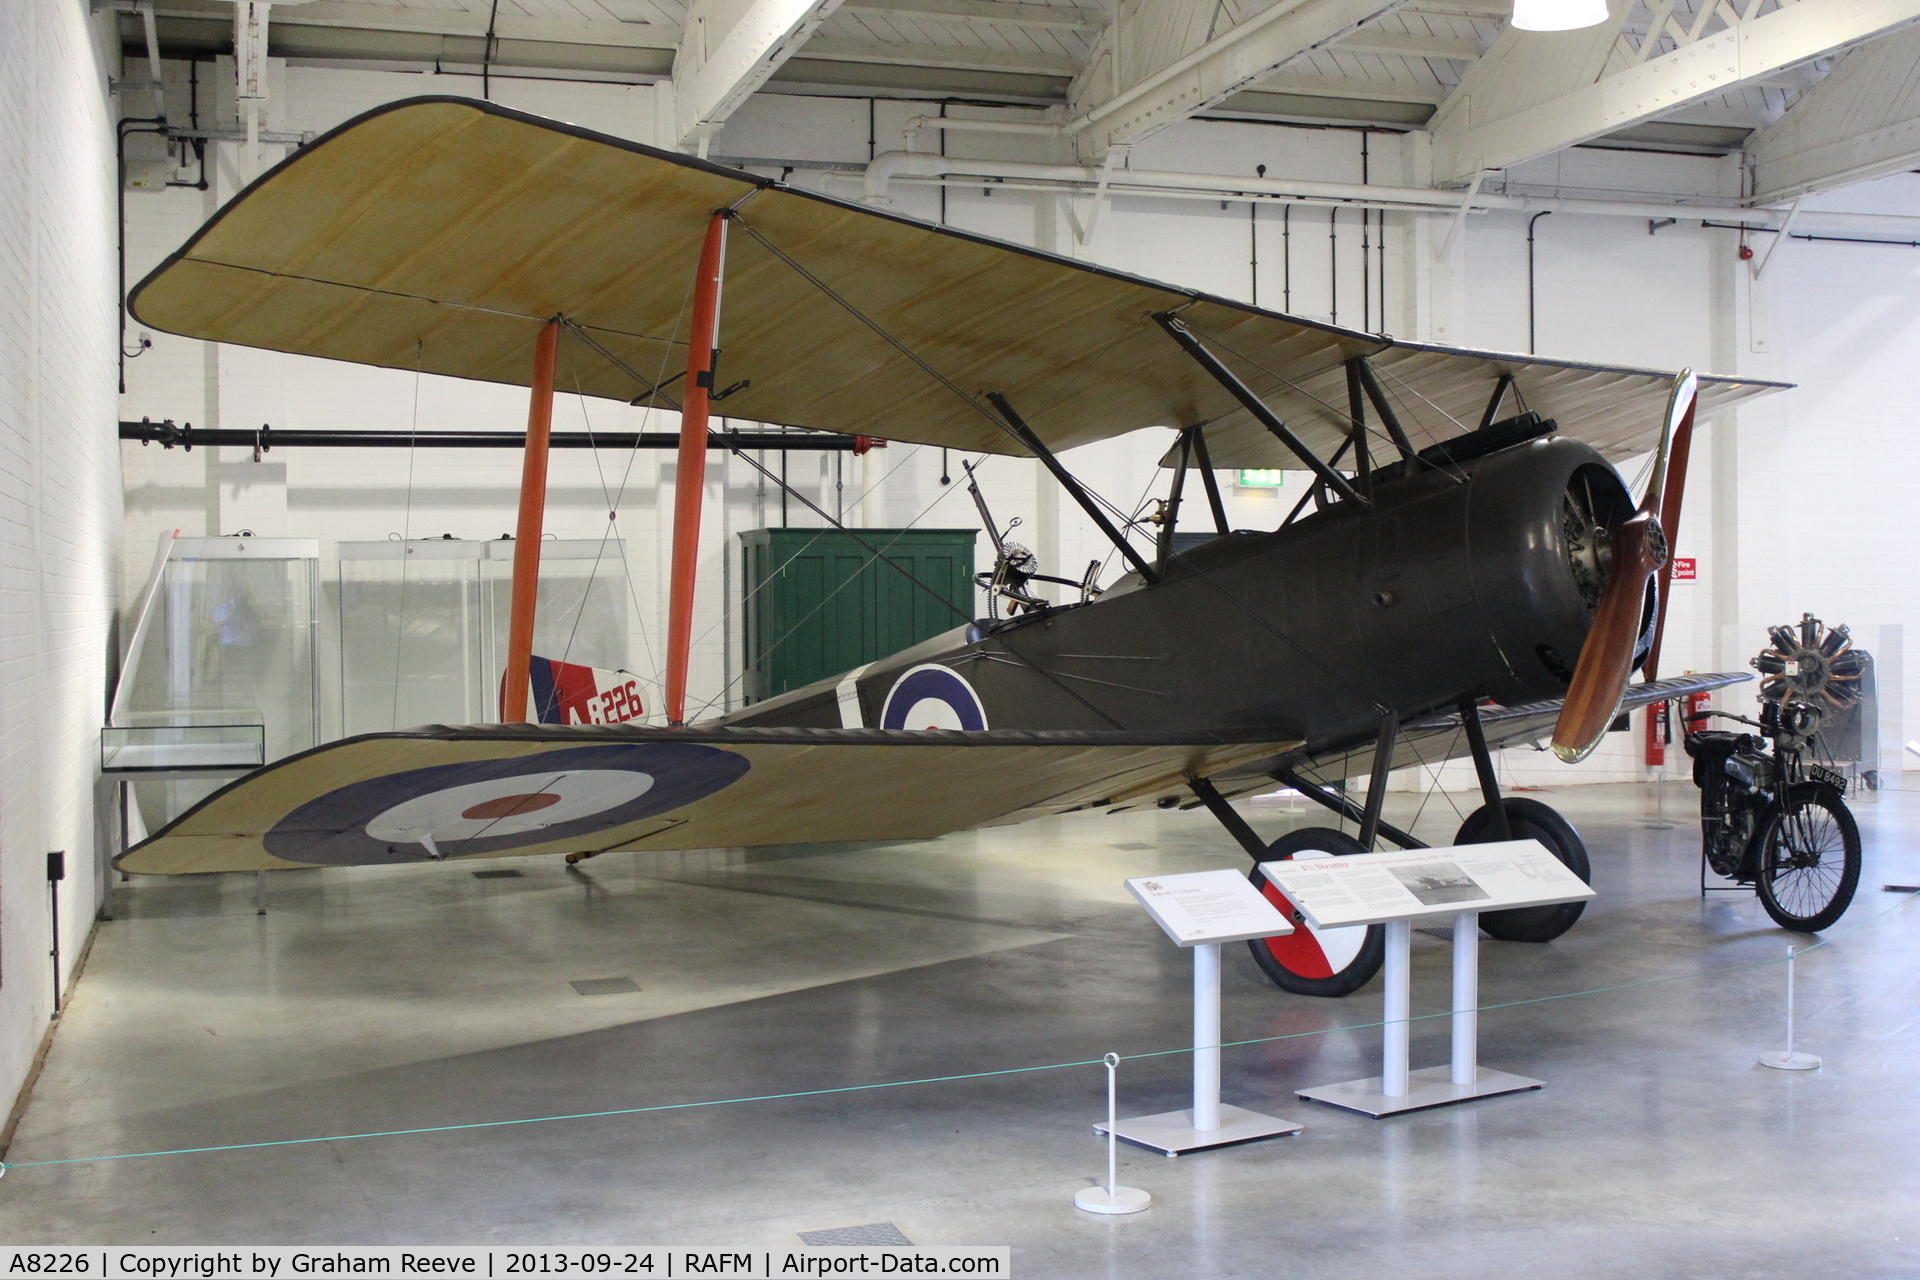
<point x="916" y="166"/>
<point x="958" y="124"/>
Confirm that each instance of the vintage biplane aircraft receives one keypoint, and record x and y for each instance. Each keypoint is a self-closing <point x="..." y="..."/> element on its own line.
<point x="1471" y="571"/>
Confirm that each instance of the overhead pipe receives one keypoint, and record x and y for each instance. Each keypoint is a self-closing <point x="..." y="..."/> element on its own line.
<point x="953" y="124"/>
<point x="918" y="166"/>
<point x="168" y="434"/>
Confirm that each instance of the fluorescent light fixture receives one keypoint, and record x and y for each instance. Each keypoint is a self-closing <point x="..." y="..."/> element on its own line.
<point x="1558" y="15"/>
<point x="1259" y="479"/>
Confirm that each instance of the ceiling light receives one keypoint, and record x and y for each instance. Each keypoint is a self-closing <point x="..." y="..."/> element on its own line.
<point x="1558" y="15"/>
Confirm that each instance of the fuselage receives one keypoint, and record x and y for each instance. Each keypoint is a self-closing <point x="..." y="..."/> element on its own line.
<point x="1478" y="579"/>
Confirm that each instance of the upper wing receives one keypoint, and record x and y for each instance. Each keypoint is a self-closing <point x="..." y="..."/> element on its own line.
<point x="438" y="234"/>
<point x="491" y="791"/>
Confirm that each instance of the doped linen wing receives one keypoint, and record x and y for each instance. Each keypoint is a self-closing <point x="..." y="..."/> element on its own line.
<point x="503" y="790"/>
<point x="439" y="234"/>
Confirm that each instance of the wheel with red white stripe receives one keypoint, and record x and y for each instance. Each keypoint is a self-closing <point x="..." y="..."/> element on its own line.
<point x="1309" y="961"/>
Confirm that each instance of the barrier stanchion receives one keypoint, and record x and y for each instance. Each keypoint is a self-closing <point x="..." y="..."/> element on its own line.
<point x="1112" y="1198"/>
<point x="1786" y="1059"/>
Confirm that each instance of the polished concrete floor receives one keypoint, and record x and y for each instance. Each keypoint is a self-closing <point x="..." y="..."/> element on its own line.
<point x="402" y="998"/>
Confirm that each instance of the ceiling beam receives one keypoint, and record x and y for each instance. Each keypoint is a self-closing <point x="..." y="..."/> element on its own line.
<point x="446" y="22"/>
<point x="1861" y="122"/>
<point x="1472" y="133"/>
<point x="992" y="12"/>
<point x="1401" y="45"/>
<point x="721" y="63"/>
<point x="1360" y="90"/>
<point x="1151" y="99"/>
<point x="835" y="49"/>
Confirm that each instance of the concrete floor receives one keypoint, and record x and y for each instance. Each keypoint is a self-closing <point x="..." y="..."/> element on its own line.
<point x="403" y="997"/>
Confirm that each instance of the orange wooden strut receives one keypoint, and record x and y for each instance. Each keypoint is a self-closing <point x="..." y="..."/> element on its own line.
<point x="689" y="485"/>
<point x="533" y="509"/>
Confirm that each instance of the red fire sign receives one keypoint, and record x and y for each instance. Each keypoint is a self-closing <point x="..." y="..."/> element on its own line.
<point x="1685" y="568"/>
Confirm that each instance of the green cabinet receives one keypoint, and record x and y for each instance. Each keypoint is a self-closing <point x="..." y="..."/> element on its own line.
<point x="817" y="603"/>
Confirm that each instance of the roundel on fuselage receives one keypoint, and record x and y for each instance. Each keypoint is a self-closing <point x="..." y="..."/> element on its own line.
<point x="931" y="696"/>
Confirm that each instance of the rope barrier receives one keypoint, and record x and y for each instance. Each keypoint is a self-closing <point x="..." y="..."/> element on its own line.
<point x="950" y="1079"/>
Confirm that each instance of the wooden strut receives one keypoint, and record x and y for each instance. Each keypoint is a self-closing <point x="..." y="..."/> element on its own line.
<point x="689" y="484"/>
<point x="533" y="508"/>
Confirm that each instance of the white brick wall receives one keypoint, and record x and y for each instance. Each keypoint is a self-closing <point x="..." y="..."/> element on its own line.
<point x="60" y="497"/>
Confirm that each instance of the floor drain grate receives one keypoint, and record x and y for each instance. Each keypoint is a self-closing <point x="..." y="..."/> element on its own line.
<point x="503" y="874"/>
<point x="874" y="1233"/>
<point x="603" y="986"/>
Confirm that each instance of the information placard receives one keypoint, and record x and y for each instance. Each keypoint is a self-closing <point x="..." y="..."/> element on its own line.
<point x="1208" y="906"/>
<point x="1368" y="888"/>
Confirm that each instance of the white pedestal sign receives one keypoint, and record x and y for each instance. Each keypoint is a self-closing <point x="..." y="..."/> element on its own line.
<point x="1201" y="910"/>
<point x="1396" y="889"/>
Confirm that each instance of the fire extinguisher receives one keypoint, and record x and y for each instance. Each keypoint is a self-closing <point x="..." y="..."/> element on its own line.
<point x="1657" y="734"/>
<point x="1698" y="704"/>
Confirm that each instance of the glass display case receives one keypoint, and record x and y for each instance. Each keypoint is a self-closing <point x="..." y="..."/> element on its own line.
<point x="220" y="671"/>
<point x="423" y="624"/>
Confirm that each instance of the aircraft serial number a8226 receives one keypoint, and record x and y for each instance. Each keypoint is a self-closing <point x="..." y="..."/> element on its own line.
<point x="1468" y="571"/>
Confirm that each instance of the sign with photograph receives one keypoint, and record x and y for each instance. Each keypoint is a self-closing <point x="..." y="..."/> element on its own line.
<point x="1368" y="888"/>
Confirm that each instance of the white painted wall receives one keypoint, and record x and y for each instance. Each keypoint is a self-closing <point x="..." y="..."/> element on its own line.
<point x="60" y="498"/>
<point x="1604" y="289"/>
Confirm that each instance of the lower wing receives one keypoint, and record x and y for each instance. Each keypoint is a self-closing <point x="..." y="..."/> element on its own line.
<point x="1432" y="740"/>
<point x="502" y="790"/>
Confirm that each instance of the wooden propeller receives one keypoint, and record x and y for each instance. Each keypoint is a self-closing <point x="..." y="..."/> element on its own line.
<point x="1639" y="551"/>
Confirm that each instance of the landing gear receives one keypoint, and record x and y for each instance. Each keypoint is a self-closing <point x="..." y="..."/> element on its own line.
<point x="1309" y="961"/>
<point x="1338" y="962"/>
<point x="1530" y="820"/>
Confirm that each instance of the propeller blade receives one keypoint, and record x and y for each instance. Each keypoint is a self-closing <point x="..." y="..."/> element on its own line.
<point x="1679" y="415"/>
<point x="1606" y="659"/>
<point x="1639" y="551"/>
<point x="1669" y="485"/>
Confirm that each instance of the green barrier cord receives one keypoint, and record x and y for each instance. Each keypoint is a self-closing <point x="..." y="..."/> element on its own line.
<point x="971" y="1075"/>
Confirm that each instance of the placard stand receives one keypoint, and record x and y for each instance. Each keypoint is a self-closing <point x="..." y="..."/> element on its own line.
<point x="1399" y="890"/>
<point x="1201" y="910"/>
<point x="1397" y="1089"/>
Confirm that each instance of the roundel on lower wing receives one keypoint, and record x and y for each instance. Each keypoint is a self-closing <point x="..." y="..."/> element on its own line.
<point x="1307" y="951"/>
<point x="495" y="806"/>
<point x="931" y="696"/>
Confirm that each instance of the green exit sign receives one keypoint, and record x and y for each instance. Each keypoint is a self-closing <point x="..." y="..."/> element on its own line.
<point x="1260" y="479"/>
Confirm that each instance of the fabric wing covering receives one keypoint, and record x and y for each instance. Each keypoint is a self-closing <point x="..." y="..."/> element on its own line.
<point x="496" y="791"/>
<point x="438" y="234"/>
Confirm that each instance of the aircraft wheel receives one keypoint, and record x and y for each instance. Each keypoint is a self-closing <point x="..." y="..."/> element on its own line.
<point x="1531" y="820"/>
<point x="1310" y="962"/>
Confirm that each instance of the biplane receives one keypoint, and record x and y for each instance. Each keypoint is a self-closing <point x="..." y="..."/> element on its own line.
<point x="1468" y="571"/>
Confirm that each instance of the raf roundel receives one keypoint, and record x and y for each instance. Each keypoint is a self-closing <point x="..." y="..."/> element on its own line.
<point x="931" y="696"/>
<point x="496" y="806"/>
